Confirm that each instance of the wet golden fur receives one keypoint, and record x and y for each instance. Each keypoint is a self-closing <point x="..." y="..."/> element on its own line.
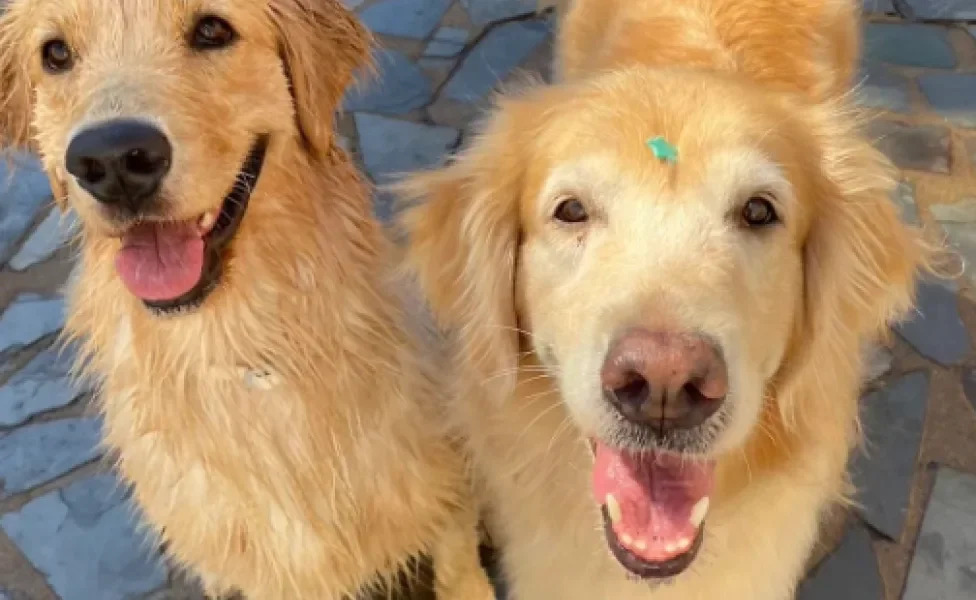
<point x="753" y="95"/>
<point x="334" y="475"/>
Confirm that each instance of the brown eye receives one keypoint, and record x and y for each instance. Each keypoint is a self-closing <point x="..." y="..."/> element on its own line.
<point x="56" y="56"/>
<point x="759" y="212"/>
<point x="211" y="33"/>
<point x="571" y="210"/>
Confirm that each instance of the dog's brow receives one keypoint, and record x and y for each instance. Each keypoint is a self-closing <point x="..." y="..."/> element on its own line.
<point x="746" y="170"/>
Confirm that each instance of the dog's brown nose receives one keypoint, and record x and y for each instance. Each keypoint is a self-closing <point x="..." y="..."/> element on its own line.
<point x="664" y="380"/>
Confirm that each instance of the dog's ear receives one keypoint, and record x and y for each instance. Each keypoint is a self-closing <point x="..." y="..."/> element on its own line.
<point x="463" y="229"/>
<point x="322" y="45"/>
<point x="860" y="267"/>
<point x="15" y="91"/>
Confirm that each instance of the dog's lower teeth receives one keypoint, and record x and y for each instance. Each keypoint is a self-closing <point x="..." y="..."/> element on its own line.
<point x="698" y="512"/>
<point x="613" y="509"/>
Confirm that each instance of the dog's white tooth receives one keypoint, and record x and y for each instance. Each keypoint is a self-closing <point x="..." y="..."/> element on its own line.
<point x="613" y="509"/>
<point x="207" y="221"/>
<point x="640" y="545"/>
<point x="671" y="548"/>
<point x="626" y="540"/>
<point x="698" y="512"/>
<point x="684" y="544"/>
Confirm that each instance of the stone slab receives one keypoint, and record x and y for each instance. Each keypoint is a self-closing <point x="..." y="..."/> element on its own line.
<point x="44" y="384"/>
<point x="937" y="331"/>
<point x="851" y="572"/>
<point x="883" y="471"/>
<point x="944" y="10"/>
<point x="883" y="88"/>
<point x="944" y="564"/>
<point x="398" y="87"/>
<point x="963" y="211"/>
<point x="36" y="454"/>
<point x="483" y="12"/>
<point x="87" y="542"/>
<point x="909" y="44"/>
<point x="904" y="198"/>
<point x="970" y="144"/>
<point x="391" y="147"/>
<point x="414" y="19"/>
<point x="918" y="147"/>
<point x="496" y="55"/>
<point x="951" y="95"/>
<point x="969" y="386"/>
<point x="878" y="6"/>
<point x="29" y="318"/>
<point x="24" y="191"/>
<point x="53" y="233"/>
<point x="958" y="221"/>
<point x="877" y="362"/>
<point x="447" y="42"/>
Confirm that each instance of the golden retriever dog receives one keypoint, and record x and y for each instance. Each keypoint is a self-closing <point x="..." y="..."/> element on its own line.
<point x="235" y="298"/>
<point x="659" y="273"/>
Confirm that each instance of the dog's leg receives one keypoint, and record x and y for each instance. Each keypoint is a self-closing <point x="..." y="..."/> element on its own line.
<point x="458" y="574"/>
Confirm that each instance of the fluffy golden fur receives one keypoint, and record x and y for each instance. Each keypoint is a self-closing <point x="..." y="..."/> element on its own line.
<point x="328" y="474"/>
<point x="752" y="94"/>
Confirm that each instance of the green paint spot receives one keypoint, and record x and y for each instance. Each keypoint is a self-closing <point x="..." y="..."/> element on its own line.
<point x="662" y="149"/>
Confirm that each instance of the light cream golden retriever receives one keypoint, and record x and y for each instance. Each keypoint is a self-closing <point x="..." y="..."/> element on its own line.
<point x="277" y="419"/>
<point x="660" y="272"/>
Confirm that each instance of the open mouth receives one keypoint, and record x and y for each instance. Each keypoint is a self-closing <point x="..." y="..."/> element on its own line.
<point x="174" y="265"/>
<point x="654" y="506"/>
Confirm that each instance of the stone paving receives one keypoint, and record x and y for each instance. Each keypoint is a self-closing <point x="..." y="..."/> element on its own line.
<point x="68" y="531"/>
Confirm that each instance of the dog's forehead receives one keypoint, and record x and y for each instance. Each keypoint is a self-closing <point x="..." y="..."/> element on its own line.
<point x="88" y="18"/>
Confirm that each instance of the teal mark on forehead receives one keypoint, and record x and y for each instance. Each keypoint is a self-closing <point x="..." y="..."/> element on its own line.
<point x="662" y="149"/>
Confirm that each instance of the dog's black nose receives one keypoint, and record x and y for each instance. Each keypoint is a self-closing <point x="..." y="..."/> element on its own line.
<point x="120" y="162"/>
<point x="664" y="380"/>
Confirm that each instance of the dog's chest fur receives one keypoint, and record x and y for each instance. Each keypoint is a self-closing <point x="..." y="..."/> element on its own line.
<point x="258" y="477"/>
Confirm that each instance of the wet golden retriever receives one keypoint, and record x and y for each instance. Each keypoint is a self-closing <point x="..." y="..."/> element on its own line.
<point x="233" y="295"/>
<point x="659" y="272"/>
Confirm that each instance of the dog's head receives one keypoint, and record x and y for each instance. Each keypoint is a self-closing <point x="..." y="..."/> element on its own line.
<point x="155" y="120"/>
<point x="695" y="263"/>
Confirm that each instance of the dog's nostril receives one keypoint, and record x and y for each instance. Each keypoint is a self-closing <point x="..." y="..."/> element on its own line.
<point x="634" y="392"/>
<point x="140" y="162"/>
<point x="94" y="171"/>
<point x="693" y="393"/>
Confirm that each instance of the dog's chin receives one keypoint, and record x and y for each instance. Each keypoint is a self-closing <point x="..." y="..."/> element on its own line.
<point x="191" y="255"/>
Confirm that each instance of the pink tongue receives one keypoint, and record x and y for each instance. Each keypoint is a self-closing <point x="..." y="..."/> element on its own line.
<point x="161" y="261"/>
<point x="656" y="493"/>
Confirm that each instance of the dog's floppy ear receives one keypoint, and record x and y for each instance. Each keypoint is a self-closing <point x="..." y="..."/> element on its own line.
<point x="322" y="45"/>
<point x="860" y="262"/>
<point x="15" y="91"/>
<point x="463" y="241"/>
